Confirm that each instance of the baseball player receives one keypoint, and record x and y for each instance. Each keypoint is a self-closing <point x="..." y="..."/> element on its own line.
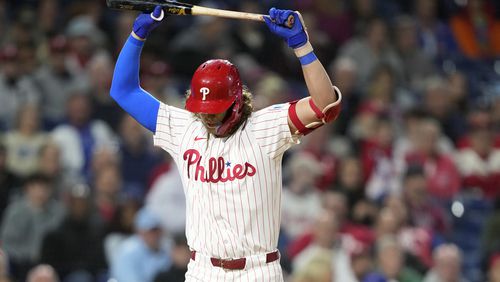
<point x="229" y="157"/>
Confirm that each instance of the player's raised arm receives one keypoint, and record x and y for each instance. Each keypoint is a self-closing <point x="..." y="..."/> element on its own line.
<point x="125" y="88"/>
<point x="323" y="105"/>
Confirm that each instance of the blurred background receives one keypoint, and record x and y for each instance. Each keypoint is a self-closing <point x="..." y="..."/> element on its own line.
<point x="404" y="186"/>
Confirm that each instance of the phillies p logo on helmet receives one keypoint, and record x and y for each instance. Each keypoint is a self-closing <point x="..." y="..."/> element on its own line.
<point x="205" y="91"/>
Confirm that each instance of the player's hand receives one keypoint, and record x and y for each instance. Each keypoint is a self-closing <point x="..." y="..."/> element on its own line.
<point x="296" y="36"/>
<point x="145" y="22"/>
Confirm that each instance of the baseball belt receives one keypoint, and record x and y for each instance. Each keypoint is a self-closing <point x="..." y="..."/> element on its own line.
<point x="237" y="264"/>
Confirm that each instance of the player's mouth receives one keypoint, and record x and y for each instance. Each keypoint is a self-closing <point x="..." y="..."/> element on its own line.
<point x="211" y="124"/>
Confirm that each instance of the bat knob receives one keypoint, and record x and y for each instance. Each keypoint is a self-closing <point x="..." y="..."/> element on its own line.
<point x="290" y="21"/>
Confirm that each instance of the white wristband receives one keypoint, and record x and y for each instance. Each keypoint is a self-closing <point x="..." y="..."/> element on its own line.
<point x="303" y="50"/>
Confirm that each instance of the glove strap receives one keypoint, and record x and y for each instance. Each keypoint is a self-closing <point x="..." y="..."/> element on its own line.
<point x="303" y="50"/>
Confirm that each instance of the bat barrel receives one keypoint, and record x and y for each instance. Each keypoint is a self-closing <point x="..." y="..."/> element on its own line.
<point x="177" y="8"/>
<point x="144" y="6"/>
<point x="149" y="5"/>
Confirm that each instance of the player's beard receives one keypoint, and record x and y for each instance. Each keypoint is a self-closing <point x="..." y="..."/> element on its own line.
<point x="213" y="124"/>
<point x="212" y="129"/>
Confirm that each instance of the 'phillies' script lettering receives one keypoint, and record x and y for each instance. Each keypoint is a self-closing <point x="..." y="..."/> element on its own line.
<point x="217" y="170"/>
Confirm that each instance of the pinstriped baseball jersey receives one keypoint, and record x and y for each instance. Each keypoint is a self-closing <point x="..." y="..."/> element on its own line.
<point x="233" y="184"/>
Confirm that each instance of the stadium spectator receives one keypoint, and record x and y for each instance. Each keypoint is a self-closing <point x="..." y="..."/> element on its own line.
<point x="357" y="234"/>
<point x="459" y="88"/>
<point x="56" y="80"/>
<point x="75" y="248"/>
<point x="301" y="200"/>
<point x="49" y="165"/>
<point x="362" y="262"/>
<point x="142" y="256"/>
<point x="157" y="79"/>
<point x="443" y="178"/>
<point x="137" y="158"/>
<point x="434" y="34"/>
<point x="377" y="158"/>
<point x="447" y="265"/>
<point x="270" y="90"/>
<point x="16" y="90"/>
<point x="371" y="49"/>
<point x="180" y="258"/>
<point x="26" y="222"/>
<point x="384" y="92"/>
<point x="326" y="147"/>
<point x="476" y="30"/>
<point x="102" y="158"/>
<point x="416" y="241"/>
<point x="84" y="40"/>
<point x="316" y="269"/>
<point x="406" y="142"/>
<point x="417" y="65"/>
<point x="391" y="263"/>
<point x="386" y="224"/>
<point x="80" y="136"/>
<point x="362" y="11"/>
<point x="166" y="198"/>
<point x="106" y="188"/>
<point x="42" y="273"/>
<point x="120" y="228"/>
<point x="422" y="211"/>
<point x="327" y="238"/>
<point x="438" y="103"/>
<point x="24" y="141"/>
<point x="100" y="73"/>
<point x="479" y="163"/>
<point x="344" y="71"/>
<point x="350" y="180"/>
<point x="28" y="58"/>
<point x="47" y="16"/>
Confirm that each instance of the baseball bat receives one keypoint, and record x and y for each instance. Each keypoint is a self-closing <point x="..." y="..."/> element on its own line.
<point x="184" y="9"/>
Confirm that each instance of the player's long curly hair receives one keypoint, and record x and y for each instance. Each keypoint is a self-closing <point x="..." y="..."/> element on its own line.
<point x="247" y="109"/>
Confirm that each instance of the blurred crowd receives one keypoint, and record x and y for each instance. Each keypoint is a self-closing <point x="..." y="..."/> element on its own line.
<point x="404" y="186"/>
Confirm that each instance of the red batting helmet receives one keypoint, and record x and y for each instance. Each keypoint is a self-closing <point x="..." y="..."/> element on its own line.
<point x="215" y="87"/>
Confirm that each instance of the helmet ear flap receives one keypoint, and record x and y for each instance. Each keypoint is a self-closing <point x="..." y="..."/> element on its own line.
<point x="232" y="118"/>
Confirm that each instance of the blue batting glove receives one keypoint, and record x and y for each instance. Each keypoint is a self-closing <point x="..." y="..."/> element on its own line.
<point x="145" y="22"/>
<point x="296" y="36"/>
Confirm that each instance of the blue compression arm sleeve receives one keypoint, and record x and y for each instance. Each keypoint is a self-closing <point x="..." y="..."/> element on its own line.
<point x="126" y="89"/>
